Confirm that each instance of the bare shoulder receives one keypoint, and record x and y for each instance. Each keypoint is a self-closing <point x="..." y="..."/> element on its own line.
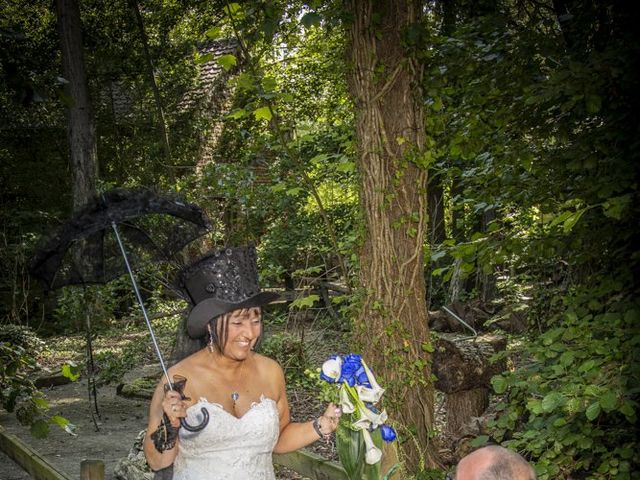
<point x="268" y="366"/>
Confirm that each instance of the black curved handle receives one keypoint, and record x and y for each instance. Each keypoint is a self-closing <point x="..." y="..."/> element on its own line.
<point x="200" y="426"/>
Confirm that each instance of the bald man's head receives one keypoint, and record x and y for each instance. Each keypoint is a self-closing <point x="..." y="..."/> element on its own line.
<point x="494" y="463"/>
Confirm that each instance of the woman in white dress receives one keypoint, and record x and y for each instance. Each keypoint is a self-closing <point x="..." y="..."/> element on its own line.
<point x="241" y="392"/>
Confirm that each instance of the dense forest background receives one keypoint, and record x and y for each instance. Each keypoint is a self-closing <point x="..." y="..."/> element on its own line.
<point x="517" y="183"/>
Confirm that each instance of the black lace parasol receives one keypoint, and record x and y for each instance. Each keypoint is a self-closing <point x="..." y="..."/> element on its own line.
<point x="118" y="229"/>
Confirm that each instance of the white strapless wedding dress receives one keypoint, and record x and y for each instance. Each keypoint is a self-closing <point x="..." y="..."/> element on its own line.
<point x="228" y="448"/>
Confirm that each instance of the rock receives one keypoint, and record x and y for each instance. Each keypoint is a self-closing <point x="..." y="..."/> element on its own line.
<point x="134" y="466"/>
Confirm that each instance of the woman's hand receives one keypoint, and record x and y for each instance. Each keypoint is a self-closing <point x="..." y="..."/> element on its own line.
<point x="330" y="418"/>
<point x="174" y="407"/>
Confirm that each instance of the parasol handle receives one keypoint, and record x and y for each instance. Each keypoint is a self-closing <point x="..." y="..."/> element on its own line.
<point x="183" y="422"/>
<point x="200" y="426"/>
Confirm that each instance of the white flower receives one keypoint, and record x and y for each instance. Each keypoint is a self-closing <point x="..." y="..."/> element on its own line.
<point x="373" y="454"/>
<point x="345" y="402"/>
<point x="369" y="418"/>
<point x="332" y="368"/>
<point x="371" y="395"/>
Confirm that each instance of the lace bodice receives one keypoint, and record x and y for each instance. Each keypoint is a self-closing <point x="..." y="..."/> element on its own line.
<point x="229" y="448"/>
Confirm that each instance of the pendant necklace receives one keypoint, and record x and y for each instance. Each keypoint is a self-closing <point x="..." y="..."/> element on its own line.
<point x="235" y="395"/>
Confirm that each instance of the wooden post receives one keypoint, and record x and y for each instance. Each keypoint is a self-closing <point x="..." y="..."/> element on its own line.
<point x="92" y="470"/>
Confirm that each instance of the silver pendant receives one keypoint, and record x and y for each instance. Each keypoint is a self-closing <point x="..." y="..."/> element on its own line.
<point x="235" y="396"/>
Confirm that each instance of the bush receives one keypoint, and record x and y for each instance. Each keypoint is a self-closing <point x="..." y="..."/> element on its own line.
<point x="290" y="353"/>
<point x="572" y="405"/>
<point x="19" y="347"/>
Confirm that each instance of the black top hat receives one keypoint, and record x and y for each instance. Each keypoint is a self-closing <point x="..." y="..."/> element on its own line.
<point x="222" y="281"/>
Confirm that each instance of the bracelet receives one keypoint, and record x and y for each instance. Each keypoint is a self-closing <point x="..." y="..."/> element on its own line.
<point x="318" y="429"/>
<point x="164" y="438"/>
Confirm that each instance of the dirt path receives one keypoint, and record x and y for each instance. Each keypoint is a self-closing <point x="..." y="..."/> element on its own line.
<point x="121" y="421"/>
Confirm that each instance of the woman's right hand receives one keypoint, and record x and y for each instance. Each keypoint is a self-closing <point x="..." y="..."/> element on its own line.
<point x="174" y="407"/>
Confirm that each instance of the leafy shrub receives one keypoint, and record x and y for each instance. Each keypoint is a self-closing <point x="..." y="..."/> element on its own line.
<point x="19" y="348"/>
<point x="290" y="353"/>
<point x="572" y="405"/>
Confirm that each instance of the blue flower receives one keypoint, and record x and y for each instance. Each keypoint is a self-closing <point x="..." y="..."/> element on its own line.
<point x="350" y="366"/>
<point x="388" y="433"/>
<point x="362" y="378"/>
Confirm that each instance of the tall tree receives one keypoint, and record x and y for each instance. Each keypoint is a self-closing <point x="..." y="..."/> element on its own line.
<point x="81" y="126"/>
<point x="392" y="328"/>
<point x="162" y="124"/>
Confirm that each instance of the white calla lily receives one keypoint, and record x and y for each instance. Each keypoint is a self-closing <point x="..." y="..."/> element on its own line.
<point x="371" y="395"/>
<point x="345" y="402"/>
<point x="332" y="368"/>
<point x="367" y="417"/>
<point x="372" y="454"/>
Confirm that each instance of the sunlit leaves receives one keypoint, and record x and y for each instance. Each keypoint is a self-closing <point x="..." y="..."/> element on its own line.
<point x="227" y="61"/>
<point x="262" y="113"/>
<point x="71" y="370"/>
<point x="304" y="302"/>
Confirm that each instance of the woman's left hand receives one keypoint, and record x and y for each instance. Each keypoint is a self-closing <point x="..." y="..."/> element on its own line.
<point x="330" y="418"/>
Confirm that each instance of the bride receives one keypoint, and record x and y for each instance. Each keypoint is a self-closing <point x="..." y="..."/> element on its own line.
<point x="241" y="392"/>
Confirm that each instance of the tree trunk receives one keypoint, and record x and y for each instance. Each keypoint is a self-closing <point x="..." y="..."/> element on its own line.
<point x="162" y="126"/>
<point x="437" y="231"/>
<point x="392" y="327"/>
<point x="81" y="132"/>
<point x="463" y="369"/>
<point x="462" y="406"/>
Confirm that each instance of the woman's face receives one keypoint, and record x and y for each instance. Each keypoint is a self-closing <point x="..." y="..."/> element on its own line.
<point x="244" y="327"/>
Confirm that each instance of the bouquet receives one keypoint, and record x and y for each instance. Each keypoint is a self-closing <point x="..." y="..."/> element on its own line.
<point x="362" y="427"/>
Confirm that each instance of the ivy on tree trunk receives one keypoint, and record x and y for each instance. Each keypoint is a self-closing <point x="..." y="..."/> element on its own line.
<point x="392" y="328"/>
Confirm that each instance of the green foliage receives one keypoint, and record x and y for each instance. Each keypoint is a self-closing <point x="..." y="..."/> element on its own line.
<point x="19" y="348"/>
<point x="572" y="404"/>
<point x="289" y="350"/>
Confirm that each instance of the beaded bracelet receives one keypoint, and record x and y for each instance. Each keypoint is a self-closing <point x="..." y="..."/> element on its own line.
<point x="318" y="429"/>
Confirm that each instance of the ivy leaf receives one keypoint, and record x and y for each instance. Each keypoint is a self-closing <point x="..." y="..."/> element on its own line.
<point x="552" y="401"/>
<point x="535" y="407"/>
<point x="234" y="10"/>
<point x="269" y="84"/>
<point x="303" y="302"/>
<point x="593" y="411"/>
<point x="499" y="384"/>
<point x="346" y="166"/>
<point x="71" y="371"/>
<point x="262" y="113"/>
<point x="572" y="219"/>
<point x="292" y="192"/>
<point x="428" y="347"/>
<point x="200" y="59"/>
<point x="245" y="82"/>
<point x="627" y="410"/>
<point x="213" y="33"/>
<point x="237" y="113"/>
<point x="278" y="187"/>
<point x="480" y="441"/>
<point x="40" y="402"/>
<point x="60" y="421"/>
<point x="608" y="401"/>
<point x="615" y="206"/>
<point x="227" y="61"/>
